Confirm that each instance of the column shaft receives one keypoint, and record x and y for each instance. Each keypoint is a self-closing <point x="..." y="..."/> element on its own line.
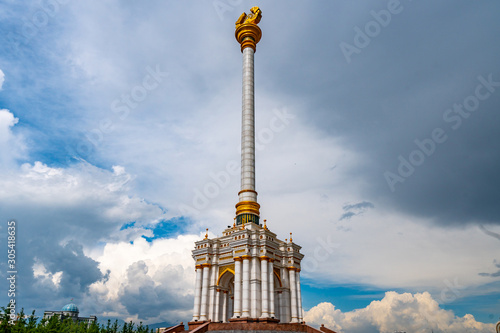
<point x="248" y="128"/>
<point x="204" y="294"/>
<point x="299" y="297"/>
<point x="286" y="303"/>
<point x="246" y="288"/>
<point x="224" y="306"/>
<point x="216" y="317"/>
<point x="286" y="296"/>
<point x="293" y="296"/>
<point x="231" y="306"/>
<point x="265" y="288"/>
<point x="255" y="304"/>
<point x="197" y="293"/>
<point x="279" y="315"/>
<point x="237" y="289"/>
<point x="213" y="287"/>
<point x="271" y="290"/>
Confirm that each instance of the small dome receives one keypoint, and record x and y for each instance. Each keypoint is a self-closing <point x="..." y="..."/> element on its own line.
<point x="70" y="308"/>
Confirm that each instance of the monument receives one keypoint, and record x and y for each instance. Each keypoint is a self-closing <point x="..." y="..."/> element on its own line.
<point x="248" y="279"/>
<point x="248" y="274"/>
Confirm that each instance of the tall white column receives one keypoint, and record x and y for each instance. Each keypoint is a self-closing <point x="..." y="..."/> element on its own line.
<point x="204" y="293"/>
<point x="299" y="297"/>
<point x="281" y="302"/>
<point x="225" y="305"/>
<point x="237" y="288"/>
<point x="248" y="129"/>
<point x="246" y="288"/>
<point x="287" y="307"/>
<point x="231" y="306"/>
<point x="293" y="296"/>
<point x="216" y="316"/>
<point x="197" y="293"/>
<point x="271" y="289"/>
<point x="286" y="316"/>
<point x="265" y="288"/>
<point x="213" y="287"/>
<point x="255" y="304"/>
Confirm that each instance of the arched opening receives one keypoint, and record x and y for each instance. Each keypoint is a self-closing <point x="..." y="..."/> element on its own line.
<point x="225" y="293"/>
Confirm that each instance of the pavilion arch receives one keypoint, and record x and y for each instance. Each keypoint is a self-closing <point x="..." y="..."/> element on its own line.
<point x="225" y="278"/>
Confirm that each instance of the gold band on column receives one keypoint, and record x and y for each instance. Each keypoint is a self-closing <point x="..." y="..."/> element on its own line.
<point x="250" y="207"/>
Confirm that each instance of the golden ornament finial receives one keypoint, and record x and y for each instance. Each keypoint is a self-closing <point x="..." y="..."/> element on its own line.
<point x="291" y="240"/>
<point x="265" y="225"/>
<point x="252" y="18"/>
<point x="247" y="33"/>
<point x="234" y="223"/>
<point x="206" y="235"/>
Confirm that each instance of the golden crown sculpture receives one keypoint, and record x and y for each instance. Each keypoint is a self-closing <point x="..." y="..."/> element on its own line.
<point x="248" y="33"/>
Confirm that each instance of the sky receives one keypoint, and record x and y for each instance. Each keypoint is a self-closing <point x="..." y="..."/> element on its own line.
<point x="377" y="146"/>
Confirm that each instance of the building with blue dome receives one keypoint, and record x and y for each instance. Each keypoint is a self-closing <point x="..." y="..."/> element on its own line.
<point x="69" y="311"/>
<point x="71" y="307"/>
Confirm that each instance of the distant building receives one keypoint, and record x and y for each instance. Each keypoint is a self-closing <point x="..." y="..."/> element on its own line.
<point x="69" y="311"/>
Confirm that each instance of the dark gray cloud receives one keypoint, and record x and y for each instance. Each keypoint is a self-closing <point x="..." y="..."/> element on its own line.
<point x="397" y="90"/>
<point x="147" y="298"/>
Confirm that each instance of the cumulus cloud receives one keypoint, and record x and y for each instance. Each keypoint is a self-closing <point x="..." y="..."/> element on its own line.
<point x="148" y="281"/>
<point x="71" y="212"/>
<point x="418" y="313"/>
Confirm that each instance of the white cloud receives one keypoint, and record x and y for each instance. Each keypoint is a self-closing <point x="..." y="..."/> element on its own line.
<point x="2" y="79"/>
<point x="40" y="272"/>
<point x="160" y="273"/>
<point x="76" y="187"/>
<point x="391" y="250"/>
<point x="12" y="146"/>
<point x="418" y="313"/>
